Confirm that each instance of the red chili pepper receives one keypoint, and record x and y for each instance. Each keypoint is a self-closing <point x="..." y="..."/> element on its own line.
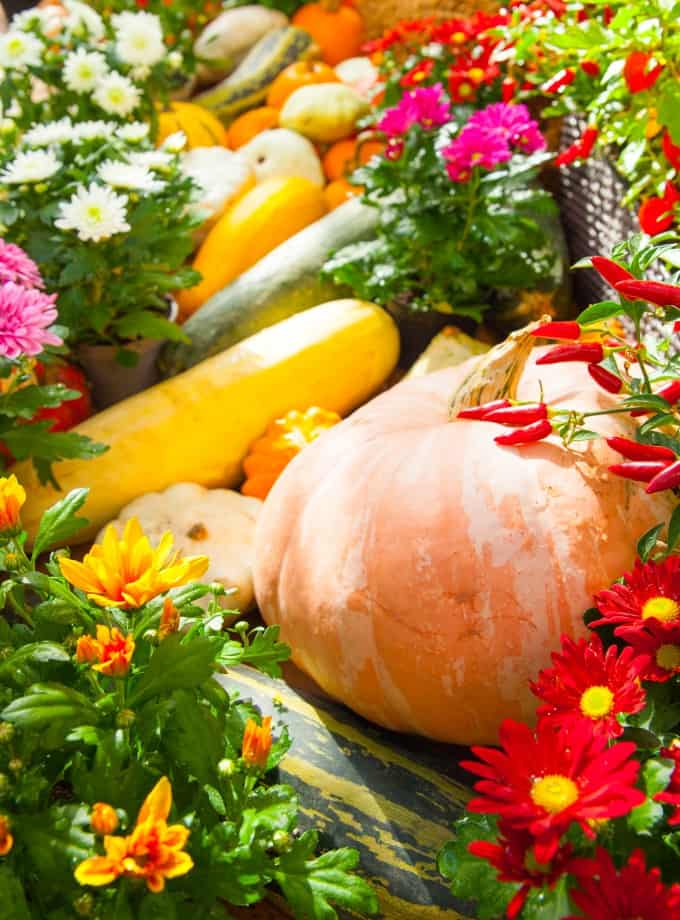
<point x="579" y="150"/>
<point x="561" y="79"/>
<point x="536" y="432"/>
<point x="607" y="15"/>
<point x="638" y="78"/>
<point x="640" y="471"/>
<point x="611" y="271"/>
<point x="518" y="415"/>
<point x="633" y="450"/>
<point x="608" y="381"/>
<point x="560" y="330"/>
<point x="508" y="89"/>
<point x="592" y="68"/>
<point x="671" y="151"/>
<point x="591" y="352"/>
<point x="656" y="213"/>
<point x="480" y="412"/>
<point x="656" y="292"/>
<point x="666" y="479"/>
<point x="676" y="327"/>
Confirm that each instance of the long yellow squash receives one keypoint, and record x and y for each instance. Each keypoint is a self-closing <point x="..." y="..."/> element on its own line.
<point x="263" y="218"/>
<point x="198" y="426"/>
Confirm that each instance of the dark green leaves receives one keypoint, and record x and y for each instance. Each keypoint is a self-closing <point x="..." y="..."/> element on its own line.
<point x="263" y="650"/>
<point x="52" y="709"/>
<point x="60" y="522"/>
<point x="647" y="542"/>
<point x="174" y="666"/>
<point x="12" y="898"/>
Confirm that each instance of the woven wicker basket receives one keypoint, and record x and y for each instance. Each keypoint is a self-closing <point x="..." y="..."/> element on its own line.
<point x="382" y="14"/>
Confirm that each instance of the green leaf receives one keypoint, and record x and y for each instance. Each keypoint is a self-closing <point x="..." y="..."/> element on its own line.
<point x="313" y="886"/>
<point x="174" y="666"/>
<point x="149" y="325"/>
<point x="268" y="810"/>
<point x="158" y="907"/>
<point x="673" y="530"/>
<point x="48" y="704"/>
<point x="548" y="903"/>
<point x="35" y="651"/>
<point x="12" y="898"/>
<point x="264" y="651"/>
<point x="599" y="311"/>
<point x="647" y="542"/>
<point x="656" y="775"/>
<point x="193" y="737"/>
<point x="60" y="522"/>
<point x="644" y="818"/>
<point x="57" y="840"/>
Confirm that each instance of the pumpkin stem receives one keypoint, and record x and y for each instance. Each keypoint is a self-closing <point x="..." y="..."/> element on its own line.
<point x="496" y="374"/>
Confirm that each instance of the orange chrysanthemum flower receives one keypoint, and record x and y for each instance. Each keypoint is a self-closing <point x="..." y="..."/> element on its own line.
<point x="169" y="622"/>
<point x="12" y="498"/>
<point x="111" y="650"/>
<point x="127" y="571"/>
<point x="103" y="819"/>
<point x="153" y="851"/>
<point x="6" y="839"/>
<point x="257" y="742"/>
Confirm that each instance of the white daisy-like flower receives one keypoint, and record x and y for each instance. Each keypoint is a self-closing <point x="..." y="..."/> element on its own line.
<point x="46" y="18"/>
<point x="20" y="50"/>
<point x="139" y="38"/>
<point x="117" y="95"/>
<point x="54" y="132"/>
<point x="175" y="60"/>
<point x="134" y="133"/>
<point x="30" y="166"/>
<point x="152" y="159"/>
<point x="130" y="176"/>
<point x="84" y="69"/>
<point x="93" y="130"/>
<point x="95" y="213"/>
<point x="80" y="18"/>
<point x="175" y="143"/>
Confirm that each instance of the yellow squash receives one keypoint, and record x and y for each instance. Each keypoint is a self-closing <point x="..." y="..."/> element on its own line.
<point x="198" y="426"/>
<point x="261" y="220"/>
<point x="201" y="127"/>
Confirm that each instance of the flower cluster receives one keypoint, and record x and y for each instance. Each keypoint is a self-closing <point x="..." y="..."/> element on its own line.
<point x="115" y="703"/>
<point x="81" y="197"/>
<point x="88" y="66"/>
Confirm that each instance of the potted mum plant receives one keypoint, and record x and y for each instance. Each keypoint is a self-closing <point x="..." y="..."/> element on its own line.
<point x="109" y="218"/>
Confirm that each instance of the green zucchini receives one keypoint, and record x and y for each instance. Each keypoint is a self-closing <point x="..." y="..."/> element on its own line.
<point x="247" y="86"/>
<point x="284" y="282"/>
<point x="390" y="796"/>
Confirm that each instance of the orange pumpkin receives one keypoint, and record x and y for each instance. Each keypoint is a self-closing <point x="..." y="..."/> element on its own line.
<point x="421" y="573"/>
<point x="340" y="191"/>
<point x="201" y="127"/>
<point x="344" y="156"/>
<point x="335" y="26"/>
<point x="283" y="440"/>
<point x="247" y="126"/>
<point x="301" y="73"/>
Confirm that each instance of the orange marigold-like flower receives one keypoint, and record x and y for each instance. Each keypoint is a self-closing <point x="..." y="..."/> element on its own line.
<point x="12" y="498"/>
<point x="6" y="839"/>
<point x="111" y="650"/>
<point x="169" y="622"/>
<point x="153" y="851"/>
<point x="103" y="819"/>
<point x="257" y="742"/>
<point x="127" y="571"/>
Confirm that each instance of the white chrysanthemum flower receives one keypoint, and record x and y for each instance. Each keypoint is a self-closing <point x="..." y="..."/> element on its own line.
<point x="54" y="132"/>
<point x="175" y="143"/>
<point x="175" y="60"/>
<point x="83" y="70"/>
<point x="134" y="133"/>
<point x="94" y="130"/>
<point x="152" y="159"/>
<point x="117" y="95"/>
<point x="20" y="50"/>
<point x="95" y="213"/>
<point x="128" y="176"/>
<point x="46" y="18"/>
<point x="30" y="166"/>
<point x="139" y="38"/>
<point x="80" y="17"/>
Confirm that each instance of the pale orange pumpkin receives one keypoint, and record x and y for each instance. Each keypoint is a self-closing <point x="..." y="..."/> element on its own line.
<point x="335" y="26"/>
<point x="421" y="573"/>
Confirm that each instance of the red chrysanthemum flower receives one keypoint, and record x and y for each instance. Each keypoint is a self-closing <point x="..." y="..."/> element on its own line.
<point x="671" y="794"/>
<point x="660" y="643"/>
<point x="545" y="781"/>
<point x="605" y="893"/>
<point x="656" y="214"/>
<point x="588" y="683"/>
<point x="417" y="75"/>
<point x="650" y="592"/>
<point x="513" y="858"/>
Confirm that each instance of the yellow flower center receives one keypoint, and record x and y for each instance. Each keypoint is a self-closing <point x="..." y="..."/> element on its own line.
<point x="476" y="74"/>
<point x="464" y="90"/>
<point x="597" y="702"/>
<point x="94" y="212"/>
<point x="554" y="792"/>
<point x="116" y="96"/>
<point x="661" y="608"/>
<point x="668" y="657"/>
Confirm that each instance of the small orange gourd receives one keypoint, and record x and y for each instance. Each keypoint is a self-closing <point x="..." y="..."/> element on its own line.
<point x="250" y="124"/>
<point x="339" y="191"/>
<point x="283" y="440"/>
<point x="301" y="73"/>
<point x="201" y="127"/>
<point x="335" y="26"/>
<point x="344" y="156"/>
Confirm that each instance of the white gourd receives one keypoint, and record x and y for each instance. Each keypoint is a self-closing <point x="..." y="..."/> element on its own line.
<point x="281" y="153"/>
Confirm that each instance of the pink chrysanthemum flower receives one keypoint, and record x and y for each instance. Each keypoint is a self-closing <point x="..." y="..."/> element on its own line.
<point x="16" y="266"/>
<point x="474" y="147"/>
<point x="424" y="107"/>
<point x="25" y="317"/>
<point x="513" y="122"/>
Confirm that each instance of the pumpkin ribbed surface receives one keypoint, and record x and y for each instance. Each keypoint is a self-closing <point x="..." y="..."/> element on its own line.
<point x="262" y="219"/>
<point x="422" y="574"/>
<point x="201" y="127"/>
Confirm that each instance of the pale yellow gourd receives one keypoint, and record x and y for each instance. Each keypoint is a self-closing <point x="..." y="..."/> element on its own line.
<point x="326" y="112"/>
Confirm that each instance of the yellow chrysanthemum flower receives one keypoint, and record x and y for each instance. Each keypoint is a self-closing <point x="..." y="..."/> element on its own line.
<point x="12" y="498"/>
<point x="127" y="571"/>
